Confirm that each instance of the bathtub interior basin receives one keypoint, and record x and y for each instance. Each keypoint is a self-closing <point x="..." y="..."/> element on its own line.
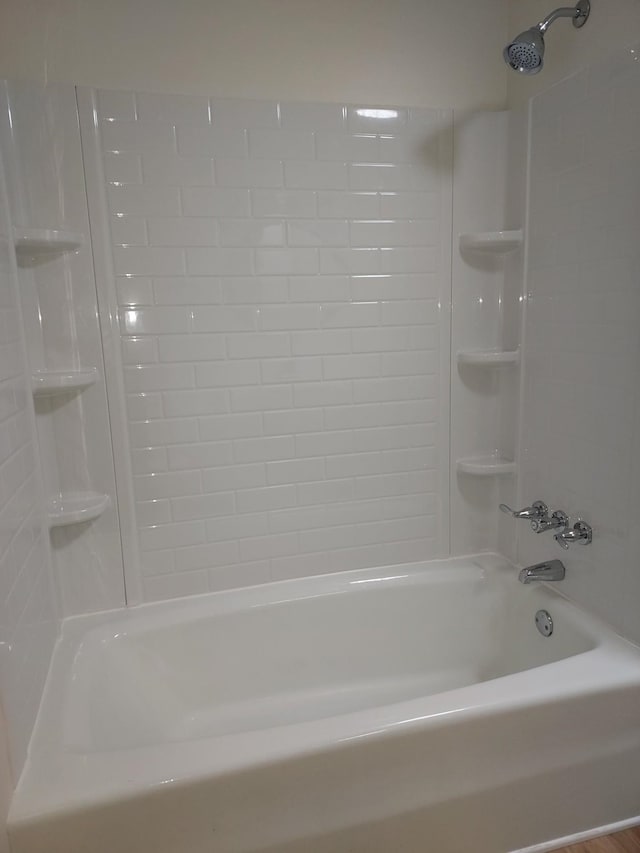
<point x="416" y="686"/>
<point x="285" y="658"/>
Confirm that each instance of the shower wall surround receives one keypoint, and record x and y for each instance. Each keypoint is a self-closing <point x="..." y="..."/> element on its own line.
<point x="28" y="617"/>
<point x="581" y="422"/>
<point x="42" y="153"/>
<point x="283" y="281"/>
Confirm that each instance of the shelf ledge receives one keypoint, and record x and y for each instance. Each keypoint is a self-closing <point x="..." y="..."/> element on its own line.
<point x="494" y="242"/>
<point x="489" y="358"/>
<point x="76" y="507"/>
<point x="491" y="465"/>
<point x="39" y="245"/>
<point x="46" y="383"/>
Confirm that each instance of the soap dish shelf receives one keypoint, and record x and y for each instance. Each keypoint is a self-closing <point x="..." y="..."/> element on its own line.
<point x="39" y="245"/>
<point x="48" y="383"/>
<point x="493" y="242"/>
<point x="489" y="358"/>
<point x="490" y="465"/>
<point x="76" y="507"/>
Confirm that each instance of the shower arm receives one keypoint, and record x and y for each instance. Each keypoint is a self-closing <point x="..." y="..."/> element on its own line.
<point x="574" y="12"/>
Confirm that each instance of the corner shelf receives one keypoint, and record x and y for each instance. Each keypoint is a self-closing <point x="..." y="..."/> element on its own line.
<point x="489" y="358"/>
<point x="491" y="465"/>
<point x="38" y="245"/>
<point x="47" y="383"/>
<point x="493" y="242"/>
<point x="76" y="507"/>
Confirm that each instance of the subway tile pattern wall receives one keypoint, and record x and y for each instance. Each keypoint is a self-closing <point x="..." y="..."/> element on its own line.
<point x="582" y="358"/>
<point x="282" y="272"/>
<point x="28" y="619"/>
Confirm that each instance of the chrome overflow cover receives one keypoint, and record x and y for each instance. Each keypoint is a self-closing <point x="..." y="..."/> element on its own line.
<point x="544" y="623"/>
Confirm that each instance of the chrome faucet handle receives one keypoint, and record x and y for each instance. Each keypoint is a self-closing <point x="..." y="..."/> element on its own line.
<point x="580" y="532"/>
<point x="537" y="510"/>
<point x="557" y="519"/>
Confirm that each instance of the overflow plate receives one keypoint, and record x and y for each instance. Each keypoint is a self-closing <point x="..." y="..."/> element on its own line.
<point x="544" y="623"/>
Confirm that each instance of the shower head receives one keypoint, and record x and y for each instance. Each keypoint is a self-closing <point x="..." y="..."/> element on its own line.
<point x="525" y="53"/>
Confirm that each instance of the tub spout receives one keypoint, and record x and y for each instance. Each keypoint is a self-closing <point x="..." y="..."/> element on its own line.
<point x="553" y="570"/>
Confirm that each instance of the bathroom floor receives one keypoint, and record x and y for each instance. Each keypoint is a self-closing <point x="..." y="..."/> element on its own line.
<point x="621" y="842"/>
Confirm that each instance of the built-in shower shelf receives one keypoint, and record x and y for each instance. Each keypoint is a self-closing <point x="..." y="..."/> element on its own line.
<point x="494" y="242"/>
<point x="489" y="358"/>
<point x="38" y="245"/>
<point x="76" y="507"/>
<point x="491" y="465"/>
<point x="47" y="383"/>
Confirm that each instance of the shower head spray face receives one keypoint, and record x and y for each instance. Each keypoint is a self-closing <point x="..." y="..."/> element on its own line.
<point x="525" y="53"/>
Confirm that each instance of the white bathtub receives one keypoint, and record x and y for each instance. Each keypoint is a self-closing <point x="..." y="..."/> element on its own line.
<point x="398" y="710"/>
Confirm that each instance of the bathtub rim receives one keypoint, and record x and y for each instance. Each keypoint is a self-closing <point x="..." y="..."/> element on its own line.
<point x="77" y="626"/>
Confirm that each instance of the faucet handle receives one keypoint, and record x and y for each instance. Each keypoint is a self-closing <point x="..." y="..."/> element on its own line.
<point x="580" y="532"/>
<point x="536" y="511"/>
<point x="556" y="520"/>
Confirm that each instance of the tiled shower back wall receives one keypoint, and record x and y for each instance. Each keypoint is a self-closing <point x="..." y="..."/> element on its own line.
<point x="283" y="278"/>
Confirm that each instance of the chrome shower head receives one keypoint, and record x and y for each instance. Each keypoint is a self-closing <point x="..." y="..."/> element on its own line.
<point x="525" y="53"/>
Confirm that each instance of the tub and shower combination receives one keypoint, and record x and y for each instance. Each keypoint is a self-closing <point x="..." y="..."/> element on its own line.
<point x="416" y="707"/>
<point x="438" y="707"/>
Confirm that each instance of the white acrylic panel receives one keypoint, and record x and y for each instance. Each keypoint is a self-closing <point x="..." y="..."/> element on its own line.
<point x="28" y="613"/>
<point x="482" y="399"/>
<point x="43" y="153"/>
<point x="283" y="285"/>
<point x="581" y="436"/>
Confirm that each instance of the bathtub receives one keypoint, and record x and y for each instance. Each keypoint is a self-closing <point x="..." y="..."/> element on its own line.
<point x="399" y="710"/>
